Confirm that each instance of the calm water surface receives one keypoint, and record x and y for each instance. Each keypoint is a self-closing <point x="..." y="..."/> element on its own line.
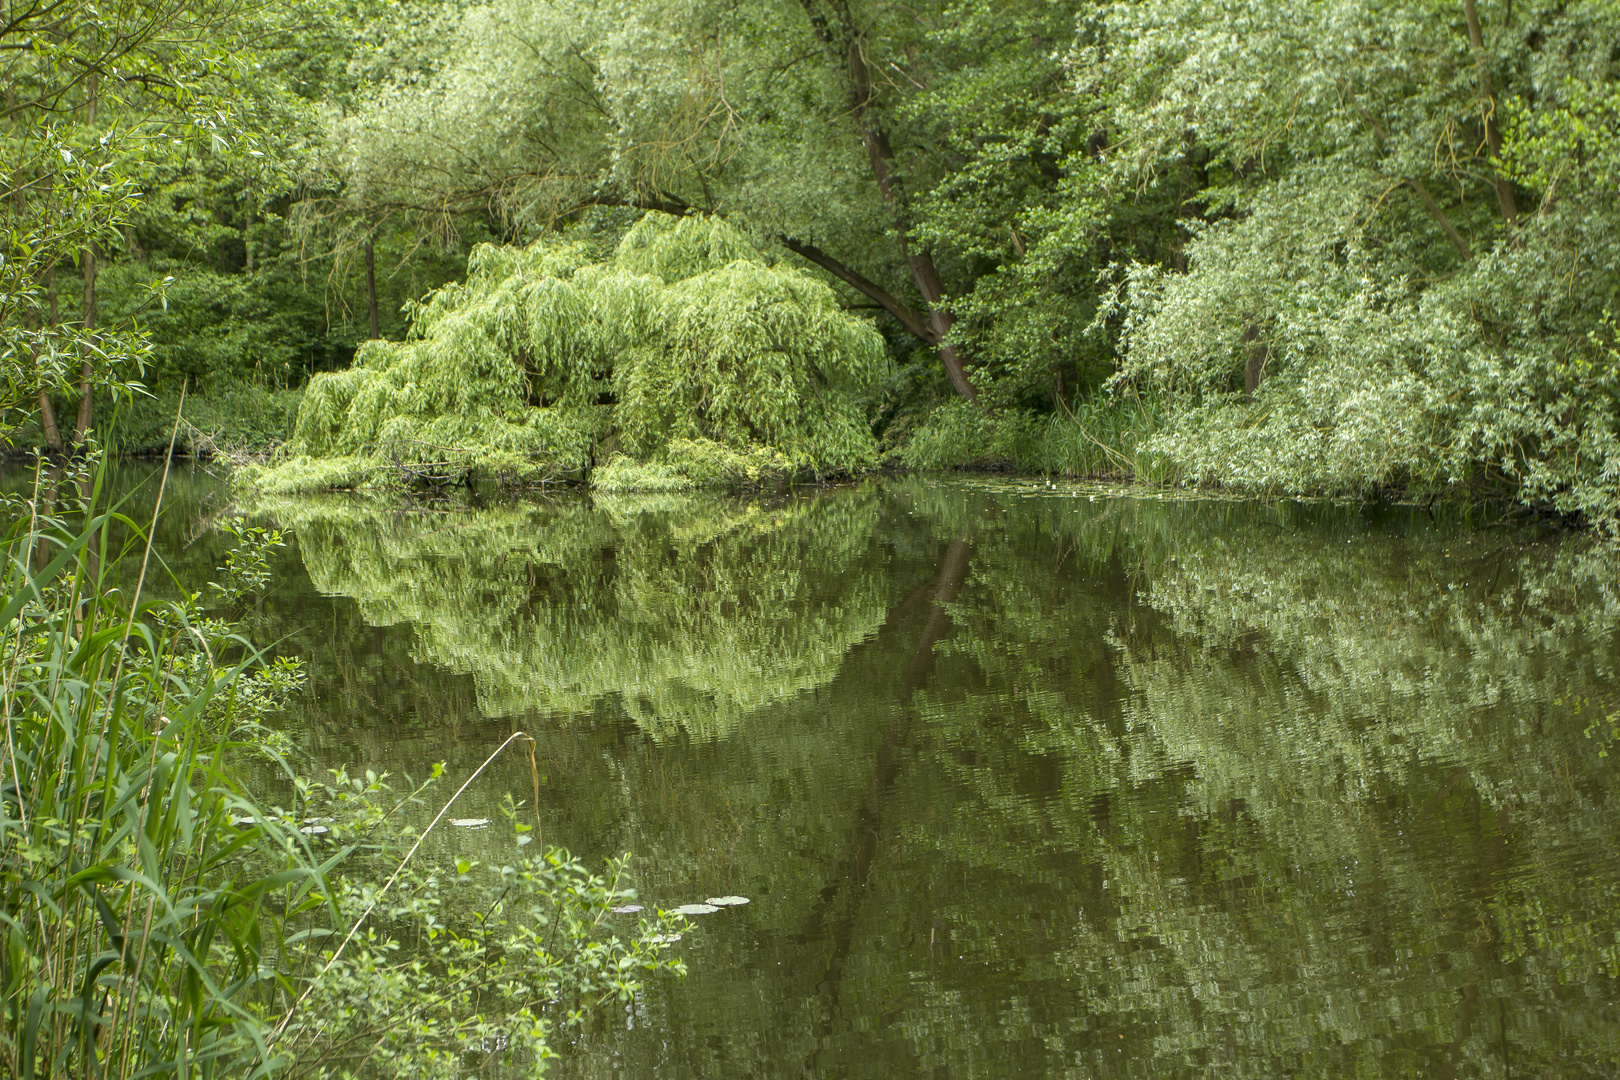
<point x="1020" y="781"/>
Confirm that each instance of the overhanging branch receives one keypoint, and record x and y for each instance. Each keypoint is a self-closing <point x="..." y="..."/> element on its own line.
<point x="914" y="322"/>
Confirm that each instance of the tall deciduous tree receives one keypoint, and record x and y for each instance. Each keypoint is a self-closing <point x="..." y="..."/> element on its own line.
<point x="827" y="127"/>
<point x="1369" y="172"/>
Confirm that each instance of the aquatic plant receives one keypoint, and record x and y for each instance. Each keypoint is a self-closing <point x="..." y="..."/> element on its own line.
<point x="140" y="916"/>
<point x="549" y="359"/>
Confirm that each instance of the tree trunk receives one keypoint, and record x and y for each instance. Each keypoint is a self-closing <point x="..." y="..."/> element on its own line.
<point x="1419" y="189"/>
<point x="1256" y="352"/>
<point x="914" y="322"/>
<point x="844" y="49"/>
<point x="1487" y="104"/>
<point x="371" y="288"/>
<point x="81" y="429"/>
<point x="47" y="421"/>
<point x="47" y="412"/>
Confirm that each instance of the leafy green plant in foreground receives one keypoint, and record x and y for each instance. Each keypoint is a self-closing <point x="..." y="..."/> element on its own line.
<point x="157" y="920"/>
<point x="134" y="939"/>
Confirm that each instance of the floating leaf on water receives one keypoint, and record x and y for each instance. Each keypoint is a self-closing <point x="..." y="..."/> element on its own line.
<point x="470" y="822"/>
<point x="726" y="901"/>
<point x="694" y="909"/>
<point x="626" y="909"/>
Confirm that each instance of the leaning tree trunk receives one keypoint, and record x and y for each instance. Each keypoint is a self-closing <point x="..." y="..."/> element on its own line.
<point x="843" y="46"/>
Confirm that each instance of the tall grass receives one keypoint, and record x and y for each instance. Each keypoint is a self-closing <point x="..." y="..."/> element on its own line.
<point x="136" y="904"/>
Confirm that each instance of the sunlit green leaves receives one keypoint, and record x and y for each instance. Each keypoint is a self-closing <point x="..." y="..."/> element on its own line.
<point x="545" y="353"/>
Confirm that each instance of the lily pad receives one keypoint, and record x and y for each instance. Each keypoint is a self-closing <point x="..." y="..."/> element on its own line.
<point x="726" y="901"/>
<point x="470" y="822"/>
<point x="627" y="909"/>
<point x="694" y="909"/>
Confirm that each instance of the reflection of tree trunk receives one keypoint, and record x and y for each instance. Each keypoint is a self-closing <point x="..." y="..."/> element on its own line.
<point x="952" y="573"/>
<point x="1465" y="1020"/>
<point x="850" y="874"/>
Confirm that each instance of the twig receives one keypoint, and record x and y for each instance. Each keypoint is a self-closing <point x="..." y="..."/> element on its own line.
<point x="375" y="900"/>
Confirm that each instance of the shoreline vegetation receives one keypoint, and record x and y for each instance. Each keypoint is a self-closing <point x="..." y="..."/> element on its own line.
<point x="178" y="899"/>
<point x="1102" y="440"/>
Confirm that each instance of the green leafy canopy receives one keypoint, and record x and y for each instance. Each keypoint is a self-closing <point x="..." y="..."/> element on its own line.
<point x="549" y="357"/>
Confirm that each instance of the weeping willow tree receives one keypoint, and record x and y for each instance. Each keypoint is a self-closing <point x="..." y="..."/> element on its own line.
<point x="686" y="356"/>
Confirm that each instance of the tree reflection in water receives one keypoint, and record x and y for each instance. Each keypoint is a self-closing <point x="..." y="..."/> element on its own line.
<point x="1030" y="783"/>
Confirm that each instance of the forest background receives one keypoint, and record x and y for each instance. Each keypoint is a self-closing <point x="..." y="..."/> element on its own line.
<point x="1348" y="248"/>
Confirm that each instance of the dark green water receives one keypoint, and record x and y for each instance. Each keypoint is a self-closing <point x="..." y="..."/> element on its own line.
<point x="1020" y="781"/>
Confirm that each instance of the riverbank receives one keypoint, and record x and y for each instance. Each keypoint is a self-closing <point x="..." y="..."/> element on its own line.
<point x="1126" y="439"/>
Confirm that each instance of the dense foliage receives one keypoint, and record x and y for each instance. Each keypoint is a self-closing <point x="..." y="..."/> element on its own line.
<point x="1346" y="249"/>
<point x="1409" y="276"/>
<point x="546" y="357"/>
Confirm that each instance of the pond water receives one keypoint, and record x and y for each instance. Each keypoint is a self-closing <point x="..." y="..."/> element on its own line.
<point x="1019" y="780"/>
